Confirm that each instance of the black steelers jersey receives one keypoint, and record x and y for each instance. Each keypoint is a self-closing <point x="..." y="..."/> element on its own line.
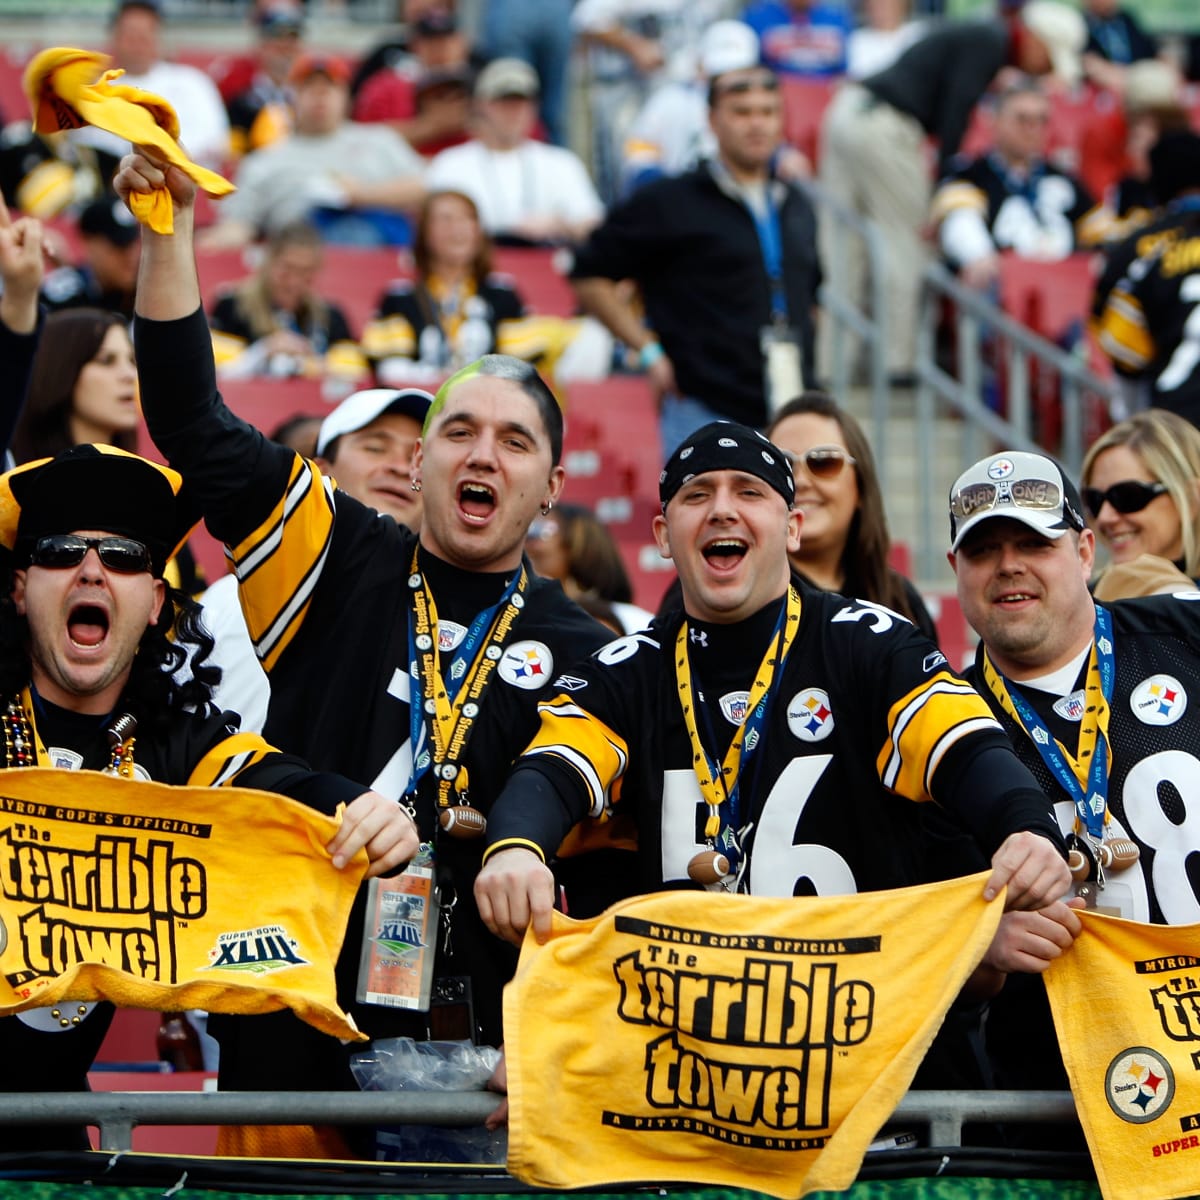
<point x="1046" y="215"/>
<point x="1147" y="310"/>
<point x="1154" y="734"/>
<point x="323" y="582"/>
<point x="862" y="715"/>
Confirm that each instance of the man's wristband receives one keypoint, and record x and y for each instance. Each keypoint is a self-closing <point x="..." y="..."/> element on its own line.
<point x="649" y="354"/>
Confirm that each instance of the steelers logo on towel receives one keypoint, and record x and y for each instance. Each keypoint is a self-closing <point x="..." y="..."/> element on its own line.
<point x="809" y="715"/>
<point x="1139" y="1084"/>
<point x="528" y="665"/>
<point x="1158" y="700"/>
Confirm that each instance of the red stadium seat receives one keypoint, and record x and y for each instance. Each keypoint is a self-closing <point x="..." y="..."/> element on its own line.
<point x="955" y="637"/>
<point x="1050" y="298"/>
<point x="132" y="1038"/>
<point x="538" y="278"/>
<point x="162" y="1139"/>
<point x="13" y="104"/>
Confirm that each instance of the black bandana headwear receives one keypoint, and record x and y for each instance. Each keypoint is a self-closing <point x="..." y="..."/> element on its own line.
<point x="96" y="487"/>
<point x="727" y="446"/>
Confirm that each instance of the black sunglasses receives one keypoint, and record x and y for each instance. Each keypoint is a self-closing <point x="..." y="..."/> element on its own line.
<point x="746" y="83"/>
<point x="823" y="462"/>
<point x="1128" y="496"/>
<point x="61" y="550"/>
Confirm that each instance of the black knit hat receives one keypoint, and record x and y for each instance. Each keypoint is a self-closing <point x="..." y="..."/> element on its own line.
<point x="96" y="487"/>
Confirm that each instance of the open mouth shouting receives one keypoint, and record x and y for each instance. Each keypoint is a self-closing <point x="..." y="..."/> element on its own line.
<point x="476" y="502"/>
<point x="725" y="554"/>
<point x="87" y="626"/>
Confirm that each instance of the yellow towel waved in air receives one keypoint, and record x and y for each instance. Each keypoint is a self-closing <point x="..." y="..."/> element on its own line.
<point x="1126" y="1003"/>
<point x="169" y="897"/>
<point x="68" y="89"/>
<point x="735" y="1041"/>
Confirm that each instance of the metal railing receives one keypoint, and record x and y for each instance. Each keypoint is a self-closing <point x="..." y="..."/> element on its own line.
<point x="990" y="346"/>
<point x="941" y="1114"/>
<point x="985" y="392"/>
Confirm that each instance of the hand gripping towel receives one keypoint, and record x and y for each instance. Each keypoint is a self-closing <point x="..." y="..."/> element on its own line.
<point x="1126" y="1004"/>
<point x="69" y="88"/>
<point x="730" y="1040"/>
<point x="169" y="898"/>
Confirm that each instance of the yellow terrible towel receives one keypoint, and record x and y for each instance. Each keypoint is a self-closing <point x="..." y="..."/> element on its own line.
<point x="168" y="897"/>
<point x="730" y="1040"/>
<point x="1126" y="1003"/>
<point x="71" y="88"/>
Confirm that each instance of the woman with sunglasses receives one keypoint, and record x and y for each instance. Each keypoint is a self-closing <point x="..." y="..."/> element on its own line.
<point x="844" y="541"/>
<point x="1141" y="489"/>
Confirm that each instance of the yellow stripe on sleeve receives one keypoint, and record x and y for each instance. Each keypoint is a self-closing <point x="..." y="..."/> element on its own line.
<point x="583" y="742"/>
<point x="1122" y="331"/>
<point x="387" y="336"/>
<point x="953" y="195"/>
<point x="922" y="726"/>
<point x="222" y="765"/>
<point x="279" y="564"/>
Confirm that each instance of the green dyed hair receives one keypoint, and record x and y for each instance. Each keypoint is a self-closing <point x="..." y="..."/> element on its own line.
<point x="525" y="376"/>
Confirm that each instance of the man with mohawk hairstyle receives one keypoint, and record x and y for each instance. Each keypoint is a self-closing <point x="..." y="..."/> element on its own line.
<point x="414" y="661"/>
<point x="769" y="738"/>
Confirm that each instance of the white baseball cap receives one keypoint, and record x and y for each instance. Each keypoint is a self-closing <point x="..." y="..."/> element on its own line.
<point x="727" y="46"/>
<point x="1062" y="30"/>
<point x="361" y="408"/>
<point x="1029" y="488"/>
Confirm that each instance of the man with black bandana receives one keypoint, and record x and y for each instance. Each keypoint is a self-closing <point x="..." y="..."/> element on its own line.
<point x="90" y="638"/>
<point x="355" y="617"/>
<point x="768" y="738"/>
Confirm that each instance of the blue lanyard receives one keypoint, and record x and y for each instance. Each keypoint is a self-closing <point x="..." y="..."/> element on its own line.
<point x="418" y="727"/>
<point x="770" y="241"/>
<point x="1015" y="184"/>
<point x="1090" y="804"/>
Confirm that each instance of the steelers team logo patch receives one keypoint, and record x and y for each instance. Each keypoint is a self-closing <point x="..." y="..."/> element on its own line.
<point x="1159" y="700"/>
<point x="1139" y="1084"/>
<point x="809" y="716"/>
<point x="1000" y="468"/>
<point x="528" y="665"/>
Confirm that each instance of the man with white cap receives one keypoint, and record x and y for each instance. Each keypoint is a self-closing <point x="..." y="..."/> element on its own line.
<point x="525" y="190"/>
<point x="366" y="444"/>
<point x="874" y="132"/>
<point x="1096" y="701"/>
<point x="671" y="134"/>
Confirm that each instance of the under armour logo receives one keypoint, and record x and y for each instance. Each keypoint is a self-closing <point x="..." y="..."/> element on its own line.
<point x="699" y="636"/>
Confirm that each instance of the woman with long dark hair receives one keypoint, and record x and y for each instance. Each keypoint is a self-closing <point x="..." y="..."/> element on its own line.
<point x="844" y="541"/>
<point x="83" y="386"/>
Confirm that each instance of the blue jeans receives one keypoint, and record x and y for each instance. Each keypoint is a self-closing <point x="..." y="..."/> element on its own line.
<point x="680" y="416"/>
<point x="538" y="31"/>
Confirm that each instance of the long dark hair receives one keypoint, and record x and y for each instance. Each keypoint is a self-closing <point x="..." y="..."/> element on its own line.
<point x="252" y="296"/>
<point x="865" y="570"/>
<point x="152" y="693"/>
<point x="70" y="340"/>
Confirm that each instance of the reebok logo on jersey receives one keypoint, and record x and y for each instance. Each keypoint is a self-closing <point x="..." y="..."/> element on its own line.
<point x="528" y="665"/>
<point x="936" y="659"/>
<point x="809" y="715"/>
<point x="1158" y="700"/>
<point x="570" y="683"/>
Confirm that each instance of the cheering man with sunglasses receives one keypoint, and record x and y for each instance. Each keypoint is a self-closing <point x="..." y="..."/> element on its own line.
<point x="726" y="259"/>
<point x="1102" y="703"/>
<point x="90" y="640"/>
